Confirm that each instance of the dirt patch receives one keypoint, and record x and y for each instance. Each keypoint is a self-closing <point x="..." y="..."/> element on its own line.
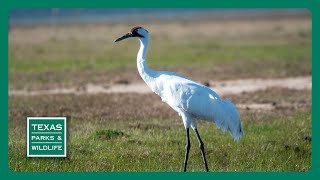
<point x="252" y="85"/>
<point x="272" y="101"/>
<point x="100" y="107"/>
<point x="256" y="106"/>
<point x="221" y="87"/>
<point x="134" y="106"/>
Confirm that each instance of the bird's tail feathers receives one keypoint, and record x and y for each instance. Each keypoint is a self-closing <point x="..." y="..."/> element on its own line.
<point x="229" y="120"/>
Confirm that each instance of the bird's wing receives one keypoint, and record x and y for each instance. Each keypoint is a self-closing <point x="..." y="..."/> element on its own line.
<point x="186" y="94"/>
<point x="201" y="102"/>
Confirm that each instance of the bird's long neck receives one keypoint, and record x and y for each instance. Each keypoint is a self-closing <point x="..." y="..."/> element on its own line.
<point x="147" y="74"/>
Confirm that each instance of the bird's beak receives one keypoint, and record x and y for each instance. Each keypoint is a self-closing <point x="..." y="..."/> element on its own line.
<point x="124" y="37"/>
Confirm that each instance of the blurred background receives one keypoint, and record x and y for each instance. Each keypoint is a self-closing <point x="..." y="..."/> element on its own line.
<point x="79" y="43"/>
<point x="64" y="62"/>
<point x="85" y="15"/>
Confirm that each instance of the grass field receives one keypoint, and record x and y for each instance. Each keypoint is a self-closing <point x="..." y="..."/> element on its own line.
<point x="138" y="132"/>
<point x="118" y="133"/>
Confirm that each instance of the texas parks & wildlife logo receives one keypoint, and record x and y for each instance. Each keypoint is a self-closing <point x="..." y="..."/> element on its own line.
<point x="46" y="137"/>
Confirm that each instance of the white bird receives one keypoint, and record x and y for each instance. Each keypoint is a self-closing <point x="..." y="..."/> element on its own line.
<point x="191" y="100"/>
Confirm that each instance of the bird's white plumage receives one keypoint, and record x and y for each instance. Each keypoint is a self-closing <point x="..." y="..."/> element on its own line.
<point x="191" y="100"/>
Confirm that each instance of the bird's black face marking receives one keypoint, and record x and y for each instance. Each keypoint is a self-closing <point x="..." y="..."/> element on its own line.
<point x="134" y="32"/>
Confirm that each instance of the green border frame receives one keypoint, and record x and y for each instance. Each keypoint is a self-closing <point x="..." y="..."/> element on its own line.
<point x="6" y="5"/>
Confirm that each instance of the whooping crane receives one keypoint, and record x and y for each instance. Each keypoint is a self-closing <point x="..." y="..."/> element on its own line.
<point x="191" y="100"/>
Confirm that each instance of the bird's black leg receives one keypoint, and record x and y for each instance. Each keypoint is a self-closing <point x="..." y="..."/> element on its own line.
<point x="202" y="150"/>
<point x="187" y="150"/>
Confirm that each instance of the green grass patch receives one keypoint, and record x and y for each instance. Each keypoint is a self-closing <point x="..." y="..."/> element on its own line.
<point x="271" y="144"/>
<point x="59" y="56"/>
<point x="107" y="134"/>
